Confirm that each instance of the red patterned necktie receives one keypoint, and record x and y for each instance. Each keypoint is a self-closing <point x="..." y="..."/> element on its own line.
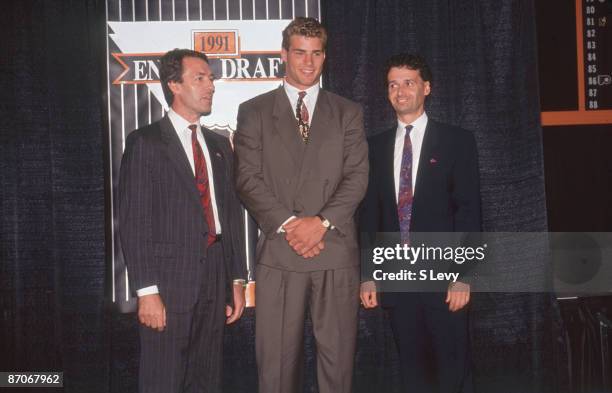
<point x="404" y="198"/>
<point x="301" y="114"/>
<point x="201" y="178"/>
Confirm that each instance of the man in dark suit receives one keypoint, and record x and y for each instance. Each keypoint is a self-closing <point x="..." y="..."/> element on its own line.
<point x="423" y="178"/>
<point x="180" y="228"/>
<point x="301" y="170"/>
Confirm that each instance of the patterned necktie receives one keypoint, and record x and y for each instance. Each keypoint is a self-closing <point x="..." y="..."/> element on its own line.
<point x="301" y="114"/>
<point x="201" y="178"/>
<point x="404" y="200"/>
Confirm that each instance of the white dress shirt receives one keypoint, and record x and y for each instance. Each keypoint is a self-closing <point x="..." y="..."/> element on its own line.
<point x="416" y="138"/>
<point x="310" y="99"/>
<point x="181" y="127"/>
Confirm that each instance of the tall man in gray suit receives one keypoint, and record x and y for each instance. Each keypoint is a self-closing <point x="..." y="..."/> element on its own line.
<point x="180" y="227"/>
<point x="301" y="170"/>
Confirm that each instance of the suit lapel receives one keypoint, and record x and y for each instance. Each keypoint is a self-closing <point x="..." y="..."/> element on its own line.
<point x="322" y="117"/>
<point x="430" y="142"/>
<point x="286" y="126"/>
<point x="388" y="169"/>
<point x="218" y="170"/>
<point x="176" y="155"/>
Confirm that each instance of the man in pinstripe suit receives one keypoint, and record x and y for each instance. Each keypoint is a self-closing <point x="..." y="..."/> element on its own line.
<point x="181" y="234"/>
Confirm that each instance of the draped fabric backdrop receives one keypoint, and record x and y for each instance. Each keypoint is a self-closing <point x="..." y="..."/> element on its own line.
<point x="484" y="60"/>
<point x="52" y="270"/>
<point x="52" y="274"/>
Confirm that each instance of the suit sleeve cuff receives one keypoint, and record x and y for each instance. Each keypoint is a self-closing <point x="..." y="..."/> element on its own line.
<point x="151" y="290"/>
<point x="333" y="221"/>
<point x="281" y="229"/>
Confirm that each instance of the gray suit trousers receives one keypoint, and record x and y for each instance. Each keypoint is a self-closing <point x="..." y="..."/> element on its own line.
<point x="332" y="297"/>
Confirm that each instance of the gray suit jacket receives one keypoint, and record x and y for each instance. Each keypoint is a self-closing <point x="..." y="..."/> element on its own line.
<point x="278" y="176"/>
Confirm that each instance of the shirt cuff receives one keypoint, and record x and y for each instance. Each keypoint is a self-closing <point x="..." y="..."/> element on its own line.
<point x="152" y="290"/>
<point x="281" y="229"/>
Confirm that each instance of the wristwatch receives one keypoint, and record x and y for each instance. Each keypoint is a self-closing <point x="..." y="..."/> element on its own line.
<point x="325" y="222"/>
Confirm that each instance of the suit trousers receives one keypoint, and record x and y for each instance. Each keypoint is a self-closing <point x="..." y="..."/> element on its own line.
<point x="432" y="343"/>
<point x="187" y="356"/>
<point x="332" y="297"/>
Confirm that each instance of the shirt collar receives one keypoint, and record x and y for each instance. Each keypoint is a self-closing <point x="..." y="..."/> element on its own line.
<point x="311" y="93"/>
<point x="179" y="122"/>
<point x="418" y="125"/>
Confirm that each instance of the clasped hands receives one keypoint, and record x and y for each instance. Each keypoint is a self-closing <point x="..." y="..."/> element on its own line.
<point x="305" y="236"/>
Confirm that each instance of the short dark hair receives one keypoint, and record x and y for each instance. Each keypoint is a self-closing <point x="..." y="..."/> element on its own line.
<point x="410" y="61"/>
<point x="171" y="69"/>
<point x="307" y="27"/>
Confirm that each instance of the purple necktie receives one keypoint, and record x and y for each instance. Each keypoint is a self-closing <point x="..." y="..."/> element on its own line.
<point x="404" y="200"/>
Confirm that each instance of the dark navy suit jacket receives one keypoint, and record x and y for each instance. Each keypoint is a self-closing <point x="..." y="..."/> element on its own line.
<point x="447" y="190"/>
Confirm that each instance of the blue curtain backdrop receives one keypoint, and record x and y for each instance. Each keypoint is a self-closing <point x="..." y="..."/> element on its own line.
<point x="55" y="315"/>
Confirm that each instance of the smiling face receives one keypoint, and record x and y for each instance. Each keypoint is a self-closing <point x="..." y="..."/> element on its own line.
<point x="407" y="91"/>
<point x="193" y="95"/>
<point x="303" y="61"/>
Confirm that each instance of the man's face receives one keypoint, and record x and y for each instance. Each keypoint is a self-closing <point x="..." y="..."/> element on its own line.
<point x="193" y="96"/>
<point x="303" y="61"/>
<point x="407" y="91"/>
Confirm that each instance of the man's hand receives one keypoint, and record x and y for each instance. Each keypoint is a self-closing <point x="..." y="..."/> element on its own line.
<point x="303" y="234"/>
<point x="152" y="312"/>
<point x="368" y="296"/>
<point x="457" y="296"/>
<point x="316" y="250"/>
<point x="233" y="314"/>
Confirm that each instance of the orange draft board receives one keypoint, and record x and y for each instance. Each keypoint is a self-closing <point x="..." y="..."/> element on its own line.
<point x="594" y="60"/>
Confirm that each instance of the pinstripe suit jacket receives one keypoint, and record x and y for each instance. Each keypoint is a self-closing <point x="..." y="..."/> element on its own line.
<point x="162" y="226"/>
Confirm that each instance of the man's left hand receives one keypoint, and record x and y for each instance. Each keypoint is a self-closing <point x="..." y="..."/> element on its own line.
<point x="458" y="295"/>
<point x="304" y="233"/>
<point x="367" y="293"/>
<point x="233" y="314"/>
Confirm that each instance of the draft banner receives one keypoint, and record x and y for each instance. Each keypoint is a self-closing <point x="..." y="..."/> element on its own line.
<point x="242" y="40"/>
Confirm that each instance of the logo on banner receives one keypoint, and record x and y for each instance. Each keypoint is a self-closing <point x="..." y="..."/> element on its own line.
<point x="226" y="60"/>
